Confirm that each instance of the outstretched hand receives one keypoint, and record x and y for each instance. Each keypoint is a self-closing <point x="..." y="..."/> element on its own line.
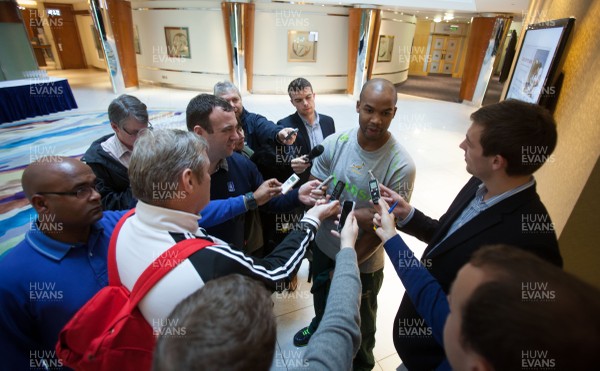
<point x="323" y="210"/>
<point x="269" y="189"/>
<point x="348" y="233"/>
<point x="402" y="209"/>
<point x="384" y="221"/>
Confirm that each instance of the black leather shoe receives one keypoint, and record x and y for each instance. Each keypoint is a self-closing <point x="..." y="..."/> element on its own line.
<point x="302" y="337"/>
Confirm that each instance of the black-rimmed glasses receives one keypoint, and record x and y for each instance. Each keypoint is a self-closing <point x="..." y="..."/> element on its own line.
<point x="137" y="132"/>
<point x="81" y="193"/>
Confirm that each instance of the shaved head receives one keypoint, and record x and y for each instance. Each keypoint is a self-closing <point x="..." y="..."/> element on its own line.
<point x="62" y="192"/>
<point x="45" y="173"/>
<point x="379" y="86"/>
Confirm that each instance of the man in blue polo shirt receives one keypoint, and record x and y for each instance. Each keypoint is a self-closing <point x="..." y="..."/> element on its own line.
<point x="59" y="265"/>
<point x="62" y="262"/>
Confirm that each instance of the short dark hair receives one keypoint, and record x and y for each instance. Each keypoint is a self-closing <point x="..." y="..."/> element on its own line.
<point x="298" y="85"/>
<point x="125" y="106"/>
<point x="200" y="107"/>
<point x="229" y="325"/>
<point x="505" y="321"/>
<point x="523" y="133"/>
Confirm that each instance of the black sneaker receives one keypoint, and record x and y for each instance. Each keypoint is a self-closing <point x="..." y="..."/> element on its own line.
<point x="302" y="337"/>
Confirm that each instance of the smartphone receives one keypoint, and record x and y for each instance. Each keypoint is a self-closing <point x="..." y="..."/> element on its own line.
<point x="347" y="207"/>
<point x="337" y="191"/>
<point x="289" y="136"/>
<point x="325" y="182"/>
<point x="289" y="183"/>
<point x="374" y="190"/>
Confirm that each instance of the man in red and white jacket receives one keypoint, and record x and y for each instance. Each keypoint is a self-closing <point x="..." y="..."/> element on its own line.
<point x="169" y="176"/>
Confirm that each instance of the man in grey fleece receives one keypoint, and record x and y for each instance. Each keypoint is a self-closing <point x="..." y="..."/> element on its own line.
<point x="336" y="341"/>
<point x="204" y="329"/>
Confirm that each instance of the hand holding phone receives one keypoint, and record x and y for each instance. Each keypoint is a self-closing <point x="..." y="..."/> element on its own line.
<point x="289" y="183"/>
<point x="347" y="207"/>
<point x="289" y="136"/>
<point x="374" y="188"/>
<point x="325" y="182"/>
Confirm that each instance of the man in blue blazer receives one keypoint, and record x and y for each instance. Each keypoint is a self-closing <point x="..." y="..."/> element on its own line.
<point x="312" y="128"/>
<point x="259" y="132"/>
<point x="506" y="143"/>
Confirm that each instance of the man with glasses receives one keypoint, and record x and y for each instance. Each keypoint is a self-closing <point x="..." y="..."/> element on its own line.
<point x="60" y="264"/>
<point x="109" y="156"/>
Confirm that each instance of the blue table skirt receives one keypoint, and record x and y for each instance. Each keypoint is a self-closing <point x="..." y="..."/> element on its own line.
<point x="35" y="99"/>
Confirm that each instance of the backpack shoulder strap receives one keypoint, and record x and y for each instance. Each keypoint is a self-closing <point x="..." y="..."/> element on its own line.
<point x="163" y="265"/>
<point x="113" y="273"/>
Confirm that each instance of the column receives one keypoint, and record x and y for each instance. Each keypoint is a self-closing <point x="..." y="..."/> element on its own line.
<point x="363" y="31"/>
<point x="238" y="19"/>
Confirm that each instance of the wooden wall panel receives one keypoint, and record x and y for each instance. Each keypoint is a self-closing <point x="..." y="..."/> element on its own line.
<point x="249" y="43"/>
<point x="121" y="22"/>
<point x="353" y="31"/>
<point x="373" y="41"/>
<point x="481" y="32"/>
<point x="225" y="11"/>
<point x="9" y="12"/>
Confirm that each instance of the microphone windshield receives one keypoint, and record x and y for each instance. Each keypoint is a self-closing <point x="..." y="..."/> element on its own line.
<point x="315" y="152"/>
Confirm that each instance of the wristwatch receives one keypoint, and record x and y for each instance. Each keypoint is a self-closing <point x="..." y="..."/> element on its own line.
<point x="249" y="201"/>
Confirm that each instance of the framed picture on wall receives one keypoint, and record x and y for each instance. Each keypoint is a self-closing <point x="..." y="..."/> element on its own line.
<point x="386" y="46"/>
<point x="178" y="42"/>
<point x="302" y="46"/>
<point x="136" y="40"/>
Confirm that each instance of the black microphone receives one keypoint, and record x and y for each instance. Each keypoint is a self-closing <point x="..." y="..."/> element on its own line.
<point x="315" y="152"/>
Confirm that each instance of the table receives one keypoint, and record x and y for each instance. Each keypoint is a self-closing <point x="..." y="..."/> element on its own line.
<point x="24" y="98"/>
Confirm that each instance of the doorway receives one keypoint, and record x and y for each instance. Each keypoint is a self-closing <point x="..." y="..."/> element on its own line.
<point x="444" y="54"/>
<point x="66" y="35"/>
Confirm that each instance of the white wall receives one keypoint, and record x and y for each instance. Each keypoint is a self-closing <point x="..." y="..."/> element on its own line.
<point x="402" y="27"/>
<point x="273" y="72"/>
<point x="208" y="48"/>
<point x="84" y="24"/>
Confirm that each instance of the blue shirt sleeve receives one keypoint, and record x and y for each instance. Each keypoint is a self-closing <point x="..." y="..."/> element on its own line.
<point x="219" y="211"/>
<point x="424" y="291"/>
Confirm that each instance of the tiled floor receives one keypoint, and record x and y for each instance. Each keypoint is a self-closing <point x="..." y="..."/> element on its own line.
<point x="430" y="130"/>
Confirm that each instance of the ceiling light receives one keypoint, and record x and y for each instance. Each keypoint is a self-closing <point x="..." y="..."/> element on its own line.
<point x="437" y="19"/>
<point x="27" y="2"/>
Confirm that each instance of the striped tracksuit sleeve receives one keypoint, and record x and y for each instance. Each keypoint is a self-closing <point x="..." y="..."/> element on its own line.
<point x="273" y="270"/>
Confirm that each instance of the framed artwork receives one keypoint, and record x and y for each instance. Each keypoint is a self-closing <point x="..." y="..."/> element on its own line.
<point x="302" y="46"/>
<point x="136" y="40"/>
<point x="178" y="42"/>
<point x="386" y="46"/>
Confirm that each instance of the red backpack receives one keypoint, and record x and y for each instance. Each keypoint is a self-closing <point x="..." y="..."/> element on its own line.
<point x="109" y="332"/>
